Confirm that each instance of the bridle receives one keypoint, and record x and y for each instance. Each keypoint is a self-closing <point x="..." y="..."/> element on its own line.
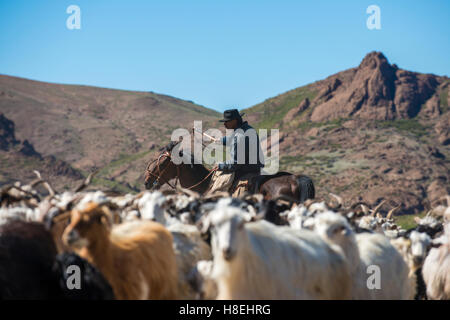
<point x="166" y="154"/>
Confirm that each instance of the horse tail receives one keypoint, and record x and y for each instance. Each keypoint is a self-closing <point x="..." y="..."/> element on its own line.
<point x="305" y="188"/>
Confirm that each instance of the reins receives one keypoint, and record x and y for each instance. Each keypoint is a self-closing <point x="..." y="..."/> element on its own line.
<point x="159" y="176"/>
<point x="166" y="154"/>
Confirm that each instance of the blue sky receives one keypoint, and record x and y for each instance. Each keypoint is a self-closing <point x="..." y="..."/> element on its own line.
<point x="219" y="54"/>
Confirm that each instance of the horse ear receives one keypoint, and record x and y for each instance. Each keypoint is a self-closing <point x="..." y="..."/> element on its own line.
<point x="171" y="145"/>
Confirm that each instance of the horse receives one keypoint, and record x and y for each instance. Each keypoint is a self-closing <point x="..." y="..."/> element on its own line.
<point x="197" y="177"/>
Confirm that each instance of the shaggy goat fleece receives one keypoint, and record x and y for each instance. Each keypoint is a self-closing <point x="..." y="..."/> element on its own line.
<point x="137" y="258"/>
<point x="281" y="263"/>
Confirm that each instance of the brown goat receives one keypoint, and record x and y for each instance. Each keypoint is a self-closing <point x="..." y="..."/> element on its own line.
<point x="137" y="258"/>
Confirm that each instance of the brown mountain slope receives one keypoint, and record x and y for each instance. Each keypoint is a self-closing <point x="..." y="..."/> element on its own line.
<point x="92" y="127"/>
<point x="18" y="160"/>
<point x="372" y="132"/>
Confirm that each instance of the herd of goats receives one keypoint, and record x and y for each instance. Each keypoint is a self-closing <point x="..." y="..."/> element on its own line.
<point x="180" y="245"/>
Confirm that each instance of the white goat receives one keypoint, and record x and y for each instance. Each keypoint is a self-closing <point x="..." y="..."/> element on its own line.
<point x="436" y="268"/>
<point x="414" y="249"/>
<point x="363" y="250"/>
<point x="259" y="260"/>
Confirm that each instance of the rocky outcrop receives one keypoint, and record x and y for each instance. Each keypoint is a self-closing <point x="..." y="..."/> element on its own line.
<point x="295" y="112"/>
<point x="442" y="129"/>
<point x="432" y="109"/>
<point x="376" y="91"/>
<point x="7" y="136"/>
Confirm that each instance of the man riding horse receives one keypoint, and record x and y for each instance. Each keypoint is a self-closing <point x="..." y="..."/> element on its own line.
<point x="238" y="175"/>
<point x="246" y="158"/>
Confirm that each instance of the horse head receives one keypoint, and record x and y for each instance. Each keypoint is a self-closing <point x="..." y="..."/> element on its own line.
<point x="161" y="169"/>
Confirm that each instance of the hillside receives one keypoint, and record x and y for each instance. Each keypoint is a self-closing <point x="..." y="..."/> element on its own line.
<point x="372" y="132"/>
<point x="91" y="128"/>
<point x="18" y="160"/>
<point x="368" y="133"/>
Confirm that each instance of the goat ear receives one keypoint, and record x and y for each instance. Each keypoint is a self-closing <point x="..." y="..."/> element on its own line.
<point x="105" y="221"/>
<point x="284" y="214"/>
<point x="345" y="231"/>
<point x="259" y="216"/>
<point x="341" y="230"/>
<point x="436" y="243"/>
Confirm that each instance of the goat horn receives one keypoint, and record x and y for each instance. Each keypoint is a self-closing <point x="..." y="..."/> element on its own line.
<point x="47" y="185"/>
<point x="24" y="191"/>
<point x="365" y="208"/>
<point x="339" y="199"/>
<point x="377" y="208"/>
<point x="391" y="212"/>
<point x="87" y="181"/>
<point x="360" y="203"/>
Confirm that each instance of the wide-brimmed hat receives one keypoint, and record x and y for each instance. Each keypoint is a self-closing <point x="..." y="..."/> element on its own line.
<point x="231" y="114"/>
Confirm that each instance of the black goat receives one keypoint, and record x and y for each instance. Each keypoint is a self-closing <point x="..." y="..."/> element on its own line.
<point x="31" y="270"/>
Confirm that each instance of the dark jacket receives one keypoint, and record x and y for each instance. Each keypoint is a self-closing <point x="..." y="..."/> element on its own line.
<point x="245" y="151"/>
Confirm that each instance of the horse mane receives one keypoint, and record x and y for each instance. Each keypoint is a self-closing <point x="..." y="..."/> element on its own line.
<point x="169" y="148"/>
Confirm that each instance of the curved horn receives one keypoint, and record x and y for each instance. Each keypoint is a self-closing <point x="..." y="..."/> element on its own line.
<point x="377" y="208"/>
<point x="365" y="209"/>
<point x="391" y="212"/>
<point x="339" y="199"/>
<point x="87" y="181"/>
<point x="47" y="185"/>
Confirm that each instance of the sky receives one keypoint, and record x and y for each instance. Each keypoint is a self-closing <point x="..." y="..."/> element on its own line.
<point x="219" y="54"/>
